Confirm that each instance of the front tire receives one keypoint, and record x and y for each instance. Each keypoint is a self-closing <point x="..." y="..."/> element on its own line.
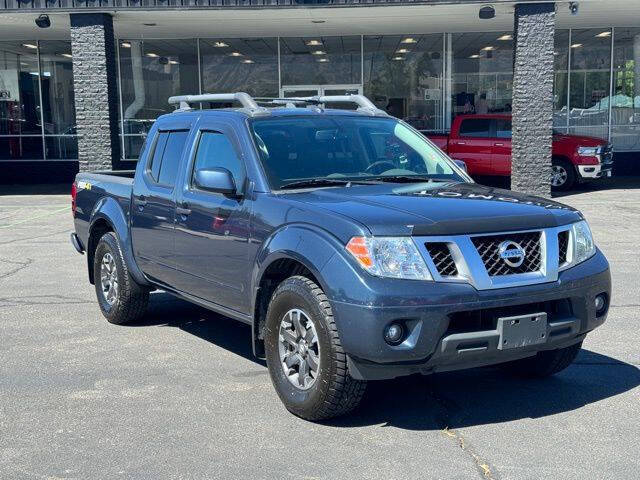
<point x="563" y="174"/>
<point x="307" y="364"/>
<point x="545" y="363"/>
<point x="120" y="298"/>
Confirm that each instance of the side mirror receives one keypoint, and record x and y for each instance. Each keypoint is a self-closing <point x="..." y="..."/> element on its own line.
<point x="460" y="164"/>
<point x="217" y="180"/>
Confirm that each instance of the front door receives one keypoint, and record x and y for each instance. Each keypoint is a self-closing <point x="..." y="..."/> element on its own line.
<point x="212" y="229"/>
<point x="501" y="158"/>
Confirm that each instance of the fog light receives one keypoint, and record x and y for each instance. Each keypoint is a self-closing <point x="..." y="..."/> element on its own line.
<point x="600" y="304"/>
<point x="394" y="334"/>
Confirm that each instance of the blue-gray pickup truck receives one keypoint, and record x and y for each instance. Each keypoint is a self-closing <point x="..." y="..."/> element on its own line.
<point x="354" y="247"/>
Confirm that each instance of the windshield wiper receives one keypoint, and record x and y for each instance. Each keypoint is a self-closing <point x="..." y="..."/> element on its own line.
<point x="404" y="178"/>
<point x="315" y="182"/>
<point x="328" y="182"/>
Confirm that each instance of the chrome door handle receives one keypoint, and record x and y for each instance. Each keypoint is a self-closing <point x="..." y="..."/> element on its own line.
<point x="462" y="143"/>
<point x="499" y="144"/>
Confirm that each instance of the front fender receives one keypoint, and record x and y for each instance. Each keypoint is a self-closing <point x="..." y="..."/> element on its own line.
<point x="109" y="210"/>
<point x="307" y="244"/>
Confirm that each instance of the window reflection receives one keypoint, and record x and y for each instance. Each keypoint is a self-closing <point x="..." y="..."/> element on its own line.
<point x="403" y="76"/>
<point x="20" y="126"/>
<point x="151" y="71"/>
<point x="482" y="73"/>
<point x="625" y="104"/>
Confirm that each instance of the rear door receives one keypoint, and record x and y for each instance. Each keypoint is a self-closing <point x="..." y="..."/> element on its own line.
<point x="153" y="210"/>
<point x="473" y="145"/>
<point x="501" y="155"/>
<point x="212" y="229"/>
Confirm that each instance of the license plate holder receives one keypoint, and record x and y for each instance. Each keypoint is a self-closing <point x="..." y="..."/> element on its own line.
<point x="522" y="330"/>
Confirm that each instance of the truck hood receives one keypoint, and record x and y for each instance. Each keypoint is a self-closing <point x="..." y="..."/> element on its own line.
<point x="437" y="208"/>
<point x="579" y="140"/>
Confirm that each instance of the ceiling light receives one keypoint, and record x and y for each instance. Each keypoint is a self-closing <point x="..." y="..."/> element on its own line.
<point x="318" y="52"/>
<point x="313" y="43"/>
<point x="487" y="12"/>
<point x="402" y="50"/>
<point x="488" y="48"/>
<point x="152" y="55"/>
<point x="398" y="58"/>
<point x="318" y="21"/>
<point x="475" y="55"/>
<point x="125" y="45"/>
<point x="149" y="24"/>
<point x="174" y="62"/>
<point x="68" y="55"/>
<point x="235" y="54"/>
<point x="30" y="45"/>
<point x="604" y="34"/>
<point x="576" y="45"/>
<point x="323" y="60"/>
<point x="247" y="60"/>
<point x="409" y="40"/>
<point x="220" y="44"/>
<point x="505" y="37"/>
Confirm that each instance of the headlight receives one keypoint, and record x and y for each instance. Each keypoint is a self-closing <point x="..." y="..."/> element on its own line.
<point x="395" y="257"/>
<point x="589" y="151"/>
<point x="582" y="244"/>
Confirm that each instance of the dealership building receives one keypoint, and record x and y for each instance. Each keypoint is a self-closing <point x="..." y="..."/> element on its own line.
<point x="81" y="82"/>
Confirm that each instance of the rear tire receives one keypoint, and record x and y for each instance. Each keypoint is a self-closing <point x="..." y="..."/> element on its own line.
<point x="563" y="174"/>
<point x="121" y="299"/>
<point x="327" y="392"/>
<point x="545" y="363"/>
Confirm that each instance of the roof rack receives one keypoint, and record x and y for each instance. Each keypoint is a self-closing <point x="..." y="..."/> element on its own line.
<point x="250" y="105"/>
<point x="247" y="102"/>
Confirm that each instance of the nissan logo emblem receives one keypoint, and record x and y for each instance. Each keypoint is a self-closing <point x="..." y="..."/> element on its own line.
<point x="511" y="253"/>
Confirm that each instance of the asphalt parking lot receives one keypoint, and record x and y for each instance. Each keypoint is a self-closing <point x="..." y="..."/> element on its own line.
<point x="179" y="395"/>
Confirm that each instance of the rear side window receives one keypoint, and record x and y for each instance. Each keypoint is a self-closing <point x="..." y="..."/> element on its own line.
<point x="503" y="128"/>
<point x="216" y="151"/>
<point x="475" y="127"/>
<point x="166" y="156"/>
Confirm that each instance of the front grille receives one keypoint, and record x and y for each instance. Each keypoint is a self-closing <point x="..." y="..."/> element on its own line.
<point x="488" y="247"/>
<point x="442" y="259"/>
<point x="563" y="246"/>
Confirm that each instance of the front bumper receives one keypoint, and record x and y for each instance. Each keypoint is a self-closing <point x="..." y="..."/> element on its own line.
<point x="435" y="341"/>
<point x="588" y="172"/>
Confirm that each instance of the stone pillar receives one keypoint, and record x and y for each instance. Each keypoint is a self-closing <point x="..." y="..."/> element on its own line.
<point x="534" y="26"/>
<point x="96" y="90"/>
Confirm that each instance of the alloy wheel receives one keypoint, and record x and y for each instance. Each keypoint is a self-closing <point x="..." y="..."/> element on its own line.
<point x="298" y="349"/>
<point x="109" y="278"/>
<point x="559" y="176"/>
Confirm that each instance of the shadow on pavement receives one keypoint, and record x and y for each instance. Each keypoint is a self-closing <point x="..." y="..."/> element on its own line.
<point x="445" y="400"/>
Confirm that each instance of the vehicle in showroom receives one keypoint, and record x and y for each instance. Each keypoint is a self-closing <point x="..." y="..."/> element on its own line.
<point x="352" y="245"/>
<point x="483" y="143"/>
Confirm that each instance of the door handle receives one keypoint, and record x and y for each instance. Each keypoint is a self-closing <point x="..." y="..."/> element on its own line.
<point x="499" y="144"/>
<point x="141" y="201"/>
<point x="183" y="209"/>
<point x="461" y="143"/>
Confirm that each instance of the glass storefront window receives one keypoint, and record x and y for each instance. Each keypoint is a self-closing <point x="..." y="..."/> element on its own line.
<point x="403" y="76"/>
<point x="240" y="65"/>
<point x="589" y="82"/>
<point x="58" y="100"/>
<point x="482" y="73"/>
<point x="150" y="72"/>
<point x="321" y="60"/>
<point x="20" y="125"/>
<point x="625" y="104"/>
<point x="560" y="80"/>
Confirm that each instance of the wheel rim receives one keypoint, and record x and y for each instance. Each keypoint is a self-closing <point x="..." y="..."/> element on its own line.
<point x="299" y="349"/>
<point x="558" y="176"/>
<point x="109" y="278"/>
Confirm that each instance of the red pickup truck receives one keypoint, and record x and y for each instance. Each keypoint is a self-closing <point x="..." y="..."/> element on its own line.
<point x="483" y="143"/>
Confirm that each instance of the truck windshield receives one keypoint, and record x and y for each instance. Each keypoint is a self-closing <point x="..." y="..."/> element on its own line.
<point x="294" y="149"/>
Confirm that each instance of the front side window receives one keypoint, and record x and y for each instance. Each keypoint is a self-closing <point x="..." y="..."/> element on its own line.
<point x="216" y="151"/>
<point x="475" y="127"/>
<point x="345" y="147"/>
<point x="503" y="128"/>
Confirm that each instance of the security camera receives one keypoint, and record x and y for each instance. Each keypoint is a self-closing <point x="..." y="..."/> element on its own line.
<point x="43" y="21"/>
<point x="573" y="8"/>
